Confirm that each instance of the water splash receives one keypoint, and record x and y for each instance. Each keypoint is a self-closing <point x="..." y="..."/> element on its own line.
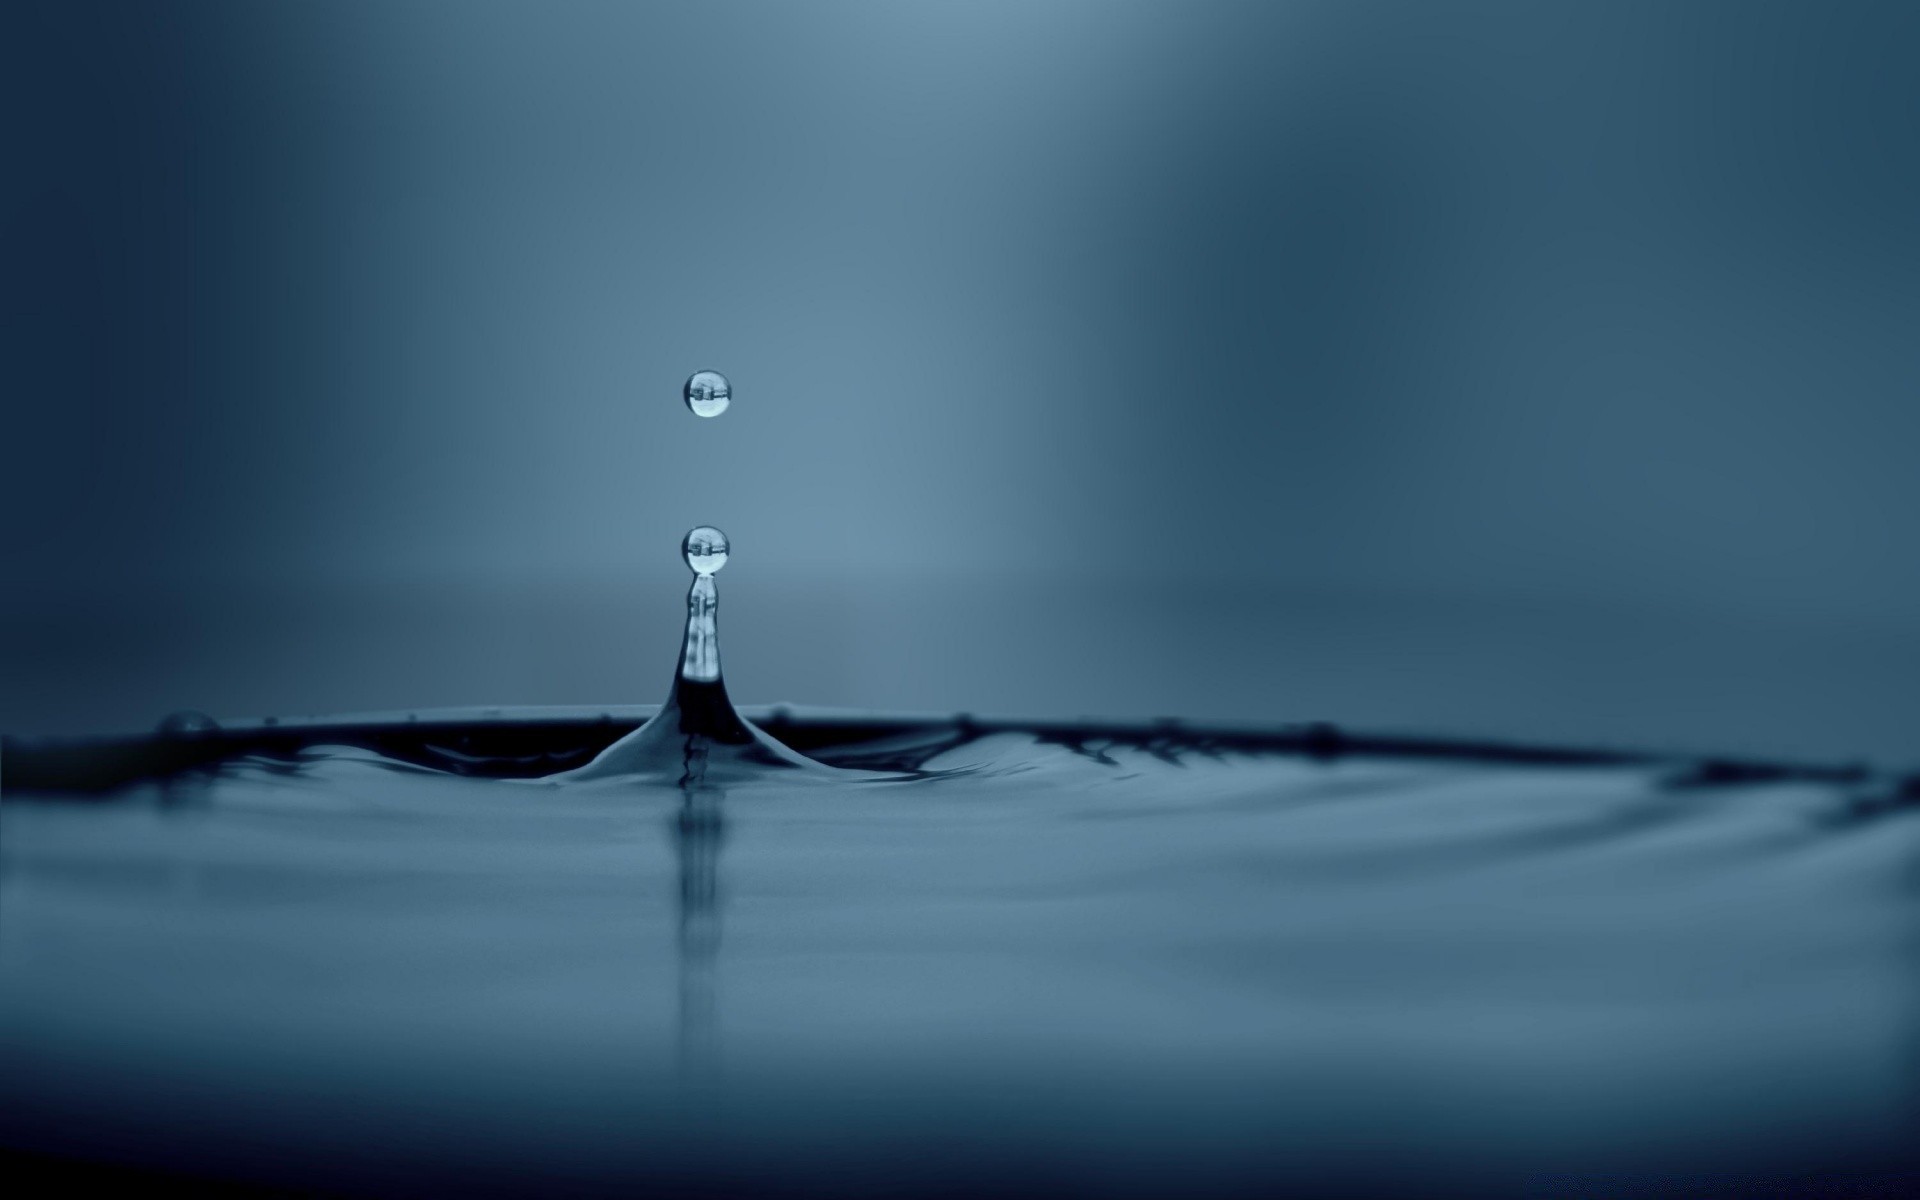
<point x="707" y="393"/>
<point x="705" y="549"/>
<point x="697" y="737"/>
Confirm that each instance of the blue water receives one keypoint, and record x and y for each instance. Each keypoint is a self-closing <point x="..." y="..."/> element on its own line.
<point x="1099" y="968"/>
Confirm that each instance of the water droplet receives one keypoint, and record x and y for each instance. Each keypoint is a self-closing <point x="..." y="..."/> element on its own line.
<point x="708" y="393"/>
<point x="705" y="549"/>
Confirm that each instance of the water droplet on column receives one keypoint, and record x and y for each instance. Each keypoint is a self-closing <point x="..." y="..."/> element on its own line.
<point x="705" y="549"/>
<point x="697" y="736"/>
<point x="707" y="393"/>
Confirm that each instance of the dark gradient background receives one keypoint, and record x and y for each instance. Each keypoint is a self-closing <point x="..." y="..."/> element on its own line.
<point x="1530" y="369"/>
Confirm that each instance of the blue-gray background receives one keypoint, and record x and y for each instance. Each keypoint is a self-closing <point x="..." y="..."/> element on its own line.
<point x="1532" y="368"/>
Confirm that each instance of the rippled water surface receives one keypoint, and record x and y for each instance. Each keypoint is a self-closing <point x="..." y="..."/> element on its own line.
<point x="1083" y="967"/>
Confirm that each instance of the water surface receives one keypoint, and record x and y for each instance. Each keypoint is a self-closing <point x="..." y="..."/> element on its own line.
<point x="1116" y="967"/>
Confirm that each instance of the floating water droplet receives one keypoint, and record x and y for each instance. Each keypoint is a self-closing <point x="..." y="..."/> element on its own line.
<point x="707" y="393"/>
<point x="705" y="549"/>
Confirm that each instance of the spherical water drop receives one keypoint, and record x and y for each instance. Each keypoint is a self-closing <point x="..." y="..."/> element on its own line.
<point x="707" y="393"/>
<point x="705" y="549"/>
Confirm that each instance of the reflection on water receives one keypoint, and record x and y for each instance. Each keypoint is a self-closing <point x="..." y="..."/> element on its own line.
<point x="1100" y="966"/>
<point x="698" y="829"/>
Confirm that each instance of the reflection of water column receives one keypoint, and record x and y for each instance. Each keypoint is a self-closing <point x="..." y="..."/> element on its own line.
<point x="697" y="832"/>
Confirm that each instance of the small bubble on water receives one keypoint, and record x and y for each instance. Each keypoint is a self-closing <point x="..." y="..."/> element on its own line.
<point x="705" y="549"/>
<point x="188" y="723"/>
<point x="707" y="393"/>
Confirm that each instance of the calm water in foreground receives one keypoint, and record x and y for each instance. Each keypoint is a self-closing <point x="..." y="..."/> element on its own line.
<point x="1052" y="969"/>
